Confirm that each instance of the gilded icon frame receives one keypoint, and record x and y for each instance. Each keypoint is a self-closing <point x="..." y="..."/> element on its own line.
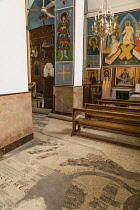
<point x="125" y="76"/>
<point x="137" y="77"/>
<point x="96" y="74"/>
<point x="104" y="75"/>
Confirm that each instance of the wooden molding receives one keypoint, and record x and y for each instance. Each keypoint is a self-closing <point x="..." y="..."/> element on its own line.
<point x="15" y="144"/>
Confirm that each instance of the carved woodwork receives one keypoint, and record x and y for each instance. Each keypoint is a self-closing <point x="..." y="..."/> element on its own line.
<point x="42" y="48"/>
<point x="48" y="83"/>
<point x="41" y="52"/>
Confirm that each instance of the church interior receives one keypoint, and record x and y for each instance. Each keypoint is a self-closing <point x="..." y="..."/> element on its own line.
<point x="70" y="105"/>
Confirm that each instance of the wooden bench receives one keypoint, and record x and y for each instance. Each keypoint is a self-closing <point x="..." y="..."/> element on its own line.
<point x="120" y="100"/>
<point x="112" y="108"/>
<point x="107" y="120"/>
<point x="117" y="102"/>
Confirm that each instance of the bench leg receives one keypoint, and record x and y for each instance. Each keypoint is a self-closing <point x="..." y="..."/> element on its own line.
<point x="76" y="130"/>
<point x="72" y="133"/>
<point x="79" y="128"/>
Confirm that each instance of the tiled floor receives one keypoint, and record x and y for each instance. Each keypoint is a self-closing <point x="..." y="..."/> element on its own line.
<point x="58" y="172"/>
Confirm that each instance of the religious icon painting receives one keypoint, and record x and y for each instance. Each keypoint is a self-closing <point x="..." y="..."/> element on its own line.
<point x="93" y="48"/>
<point x="106" y="73"/>
<point x="125" y="76"/>
<point x="93" y="75"/>
<point x="93" y="45"/>
<point x="64" y="35"/>
<point x="60" y="4"/>
<point x="137" y="77"/>
<point x="36" y="69"/>
<point x="64" y="73"/>
<point x="123" y="46"/>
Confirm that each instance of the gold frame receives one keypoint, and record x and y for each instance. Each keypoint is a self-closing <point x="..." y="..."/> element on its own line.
<point x="33" y="68"/>
<point x="121" y="80"/>
<point x="96" y="72"/>
<point x="103" y="70"/>
<point x="137" y="77"/>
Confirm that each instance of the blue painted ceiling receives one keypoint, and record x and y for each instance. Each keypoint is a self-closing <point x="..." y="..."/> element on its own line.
<point x="33" y="16"/>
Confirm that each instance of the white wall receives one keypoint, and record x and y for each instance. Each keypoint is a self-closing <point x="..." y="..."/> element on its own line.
<point x="79" y="24"/>
<point x="13" y="54"/>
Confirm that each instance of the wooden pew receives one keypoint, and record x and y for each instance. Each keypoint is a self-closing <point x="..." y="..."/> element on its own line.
<point x="112" y="108"/>
<point x="120" y="100"/>
<point x="107" y="120"/>
<point x="112" y="116"/>
<point x="117" y="102"/>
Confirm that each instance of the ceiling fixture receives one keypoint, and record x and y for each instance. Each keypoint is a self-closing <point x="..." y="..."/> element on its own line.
<point x="44" y="9"/>
<point x="103" y="24"/>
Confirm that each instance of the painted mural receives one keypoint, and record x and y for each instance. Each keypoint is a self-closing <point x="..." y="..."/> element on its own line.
<point x="64" y="35"/>
<point x="63" y="3"/>
<point x="93" y="48"/>
<point x="64" y="23"/>
<point x="63" y="73"/>
<point x="93" y="61"/>
<point x="123" y="46"/>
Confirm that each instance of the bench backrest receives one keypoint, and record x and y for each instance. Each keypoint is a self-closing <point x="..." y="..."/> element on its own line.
<point x="112" y="108"/>
<point x="111" y="116"/>
<point x="120" y="100"/>
<point x="121" y="103"/>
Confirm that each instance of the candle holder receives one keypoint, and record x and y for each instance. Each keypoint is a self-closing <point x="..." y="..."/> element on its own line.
<point x="103" y="24"/>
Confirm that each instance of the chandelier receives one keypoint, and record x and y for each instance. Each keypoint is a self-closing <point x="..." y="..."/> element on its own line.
<point x="103" y="23"/>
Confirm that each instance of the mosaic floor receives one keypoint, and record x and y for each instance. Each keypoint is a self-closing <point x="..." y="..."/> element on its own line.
<point x="58" y="172"/>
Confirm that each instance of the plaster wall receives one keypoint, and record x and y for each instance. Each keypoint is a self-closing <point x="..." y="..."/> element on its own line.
<point x="79" y="25"/>
<point x="13" y="53"/>
<point x="15" y="117"/>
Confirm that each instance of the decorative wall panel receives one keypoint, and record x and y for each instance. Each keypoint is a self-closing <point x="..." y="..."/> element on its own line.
<point x="64" y="73"/>
<point x="60" y="4"/>
<point x="64" y="39"/>
<point x="93" y="47"/>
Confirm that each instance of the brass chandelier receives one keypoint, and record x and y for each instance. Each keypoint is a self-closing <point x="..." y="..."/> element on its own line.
<point x="103" y="24"/>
